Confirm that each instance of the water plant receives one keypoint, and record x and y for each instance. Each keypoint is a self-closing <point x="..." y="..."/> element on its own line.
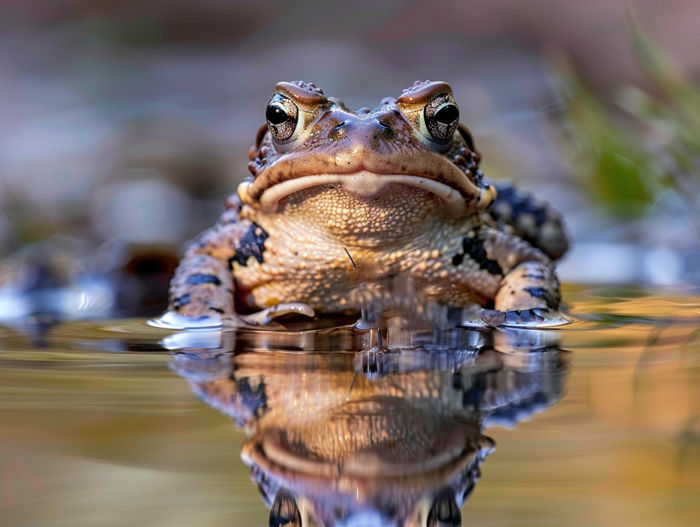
<point x="644" y="149"/>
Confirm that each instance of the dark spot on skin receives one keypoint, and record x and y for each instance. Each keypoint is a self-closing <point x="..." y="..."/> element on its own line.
<point x="544" y="294"/>
<point x="253" y="399"/>
<point x="457" y="258"/>
<point x="519" y="204"/>
<point x="536" y="277"/>
<point x="201" y="278"/>
<point x="252" y="244"/>
<point x="181" y="301"/>
<point x="537" y="292"/>
<point x="472" y="398"/>
<point x="474" y="248"/>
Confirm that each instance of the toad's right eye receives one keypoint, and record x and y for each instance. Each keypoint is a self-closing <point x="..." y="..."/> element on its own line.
<point x="282" y="115"/>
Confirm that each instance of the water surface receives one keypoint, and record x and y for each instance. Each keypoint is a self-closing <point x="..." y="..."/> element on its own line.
<point x="594" y="424"/>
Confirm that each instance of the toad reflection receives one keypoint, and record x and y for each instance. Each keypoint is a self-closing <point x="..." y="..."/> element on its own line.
<point x="395" y="439"/>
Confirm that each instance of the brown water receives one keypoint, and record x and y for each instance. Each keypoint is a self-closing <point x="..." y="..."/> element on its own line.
<point x="100" y="426"/>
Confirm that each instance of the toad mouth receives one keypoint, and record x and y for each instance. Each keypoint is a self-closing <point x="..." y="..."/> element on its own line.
<point x="364" y="185"/>
<point x="456" y="451"/>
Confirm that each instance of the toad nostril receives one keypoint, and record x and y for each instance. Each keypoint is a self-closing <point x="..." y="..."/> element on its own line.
<point x="383" y="130"/>
<point x="339" y="131"/>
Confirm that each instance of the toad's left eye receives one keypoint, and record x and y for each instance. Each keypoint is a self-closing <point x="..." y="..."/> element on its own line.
<point x="282" y="116"/>
<point x="441" y="118"/>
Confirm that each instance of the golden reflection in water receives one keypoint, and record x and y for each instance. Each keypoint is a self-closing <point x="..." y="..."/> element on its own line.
<point x="95" y="432"/>
<point x="382" y="437"/>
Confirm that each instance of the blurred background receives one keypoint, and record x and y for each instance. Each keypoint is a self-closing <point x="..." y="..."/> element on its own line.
<point x="125" y="124"/>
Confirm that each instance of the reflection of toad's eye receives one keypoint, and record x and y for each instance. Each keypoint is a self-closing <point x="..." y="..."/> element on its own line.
<point x="282" y="115"/>
<point x="284" y="511"/>
<point x="445" y="512"/>
<point x="441" y="118"/>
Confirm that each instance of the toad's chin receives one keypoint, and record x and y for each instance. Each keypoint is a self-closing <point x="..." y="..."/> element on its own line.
<point x="364" y="185"/>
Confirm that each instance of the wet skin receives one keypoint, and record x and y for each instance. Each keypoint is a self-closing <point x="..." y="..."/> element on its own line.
<point x="339" y="202"/>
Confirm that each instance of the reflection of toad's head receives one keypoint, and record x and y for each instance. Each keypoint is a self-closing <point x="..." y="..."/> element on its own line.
<point x="376" y="458"/>
<point x="328" y="445"/>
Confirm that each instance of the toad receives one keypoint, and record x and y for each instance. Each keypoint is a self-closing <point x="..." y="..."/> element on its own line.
<point x="339" y="201"/>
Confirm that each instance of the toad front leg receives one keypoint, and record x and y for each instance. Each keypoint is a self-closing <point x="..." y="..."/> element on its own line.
<point x="528" y="296"/>
<point x="498" y="271"/>
<point x="203" y="283"/>
<point x="203" y="286"/>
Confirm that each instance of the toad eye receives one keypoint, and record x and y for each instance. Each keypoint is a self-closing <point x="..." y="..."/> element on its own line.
<point x="282" y="116"/>
<point x="441" y="118"/>
<point x="444" y="512"/>
<point x="284" y="511"/>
